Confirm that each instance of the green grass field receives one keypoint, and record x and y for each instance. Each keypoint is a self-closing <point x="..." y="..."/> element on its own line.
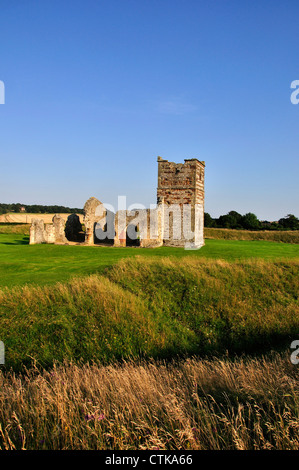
<point x="145" y="301"/>
<point x="21" y="263"/>
<point x="109" y="303"/>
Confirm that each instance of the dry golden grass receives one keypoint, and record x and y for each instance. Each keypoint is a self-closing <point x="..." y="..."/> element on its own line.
<point x="288" y="236"/>
<point x="22" y="229"/>
<point x="192" y="404"/>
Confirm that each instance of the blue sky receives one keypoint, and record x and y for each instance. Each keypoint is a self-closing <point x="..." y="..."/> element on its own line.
<point x="95" y="90"/>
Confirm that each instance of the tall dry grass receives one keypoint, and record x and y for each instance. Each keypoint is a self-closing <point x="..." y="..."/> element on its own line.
<point x="288" y="236"/>
<point x="192" y="404"/>
<point x="22" y="229"/>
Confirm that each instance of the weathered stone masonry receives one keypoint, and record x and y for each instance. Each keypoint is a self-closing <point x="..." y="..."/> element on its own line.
<point x="182" y="184"/>
<point x="180" y="194"/>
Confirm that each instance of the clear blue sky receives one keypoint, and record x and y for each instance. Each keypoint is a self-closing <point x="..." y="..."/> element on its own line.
<point x="95" y="90"/>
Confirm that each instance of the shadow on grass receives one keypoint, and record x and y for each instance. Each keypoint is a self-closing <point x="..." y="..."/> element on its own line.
<point x="24" y="241"/>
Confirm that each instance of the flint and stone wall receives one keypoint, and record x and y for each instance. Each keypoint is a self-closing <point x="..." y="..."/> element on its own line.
<point x="148" y="223"/>
<point x="47" y="233"/>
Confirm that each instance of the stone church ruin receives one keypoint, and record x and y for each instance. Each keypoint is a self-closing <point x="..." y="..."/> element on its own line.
<point x="176" y="220"/>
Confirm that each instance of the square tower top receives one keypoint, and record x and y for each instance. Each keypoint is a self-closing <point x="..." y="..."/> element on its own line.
<point x="181" y="183"/>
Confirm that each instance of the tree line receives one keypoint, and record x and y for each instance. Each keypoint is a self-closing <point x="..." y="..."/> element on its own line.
<point x="249" y="221"/>
<point x="38" y="209"/>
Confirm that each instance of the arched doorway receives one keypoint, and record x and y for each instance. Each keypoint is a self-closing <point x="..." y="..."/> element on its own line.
<point x="132" y="235"/>
<point x="73" y="229"/>
<point x="101" y="236"/>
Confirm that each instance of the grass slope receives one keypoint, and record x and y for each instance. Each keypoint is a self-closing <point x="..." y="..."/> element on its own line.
<point x="154" y="308"/>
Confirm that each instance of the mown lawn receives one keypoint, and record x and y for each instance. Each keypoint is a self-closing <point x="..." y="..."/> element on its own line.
<point x="21" y="263"/>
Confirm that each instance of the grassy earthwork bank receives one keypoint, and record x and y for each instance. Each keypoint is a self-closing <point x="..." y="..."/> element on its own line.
<point x="283" y="236"/>
<point x="127" y="348"/>
<point x="147" y="307"/>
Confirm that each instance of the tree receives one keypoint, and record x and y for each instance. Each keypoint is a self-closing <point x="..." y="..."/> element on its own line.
<point x="208" y="220"/>
<point x="289" y="222"/>
<point x="230" y="220"/>
<point x="250" y="221"/>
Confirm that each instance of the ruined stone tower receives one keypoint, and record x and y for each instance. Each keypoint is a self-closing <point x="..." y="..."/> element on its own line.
<point x="181" y="192"/>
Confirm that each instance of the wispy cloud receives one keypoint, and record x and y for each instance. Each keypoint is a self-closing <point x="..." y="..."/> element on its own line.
<point x="175" y="106"/>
